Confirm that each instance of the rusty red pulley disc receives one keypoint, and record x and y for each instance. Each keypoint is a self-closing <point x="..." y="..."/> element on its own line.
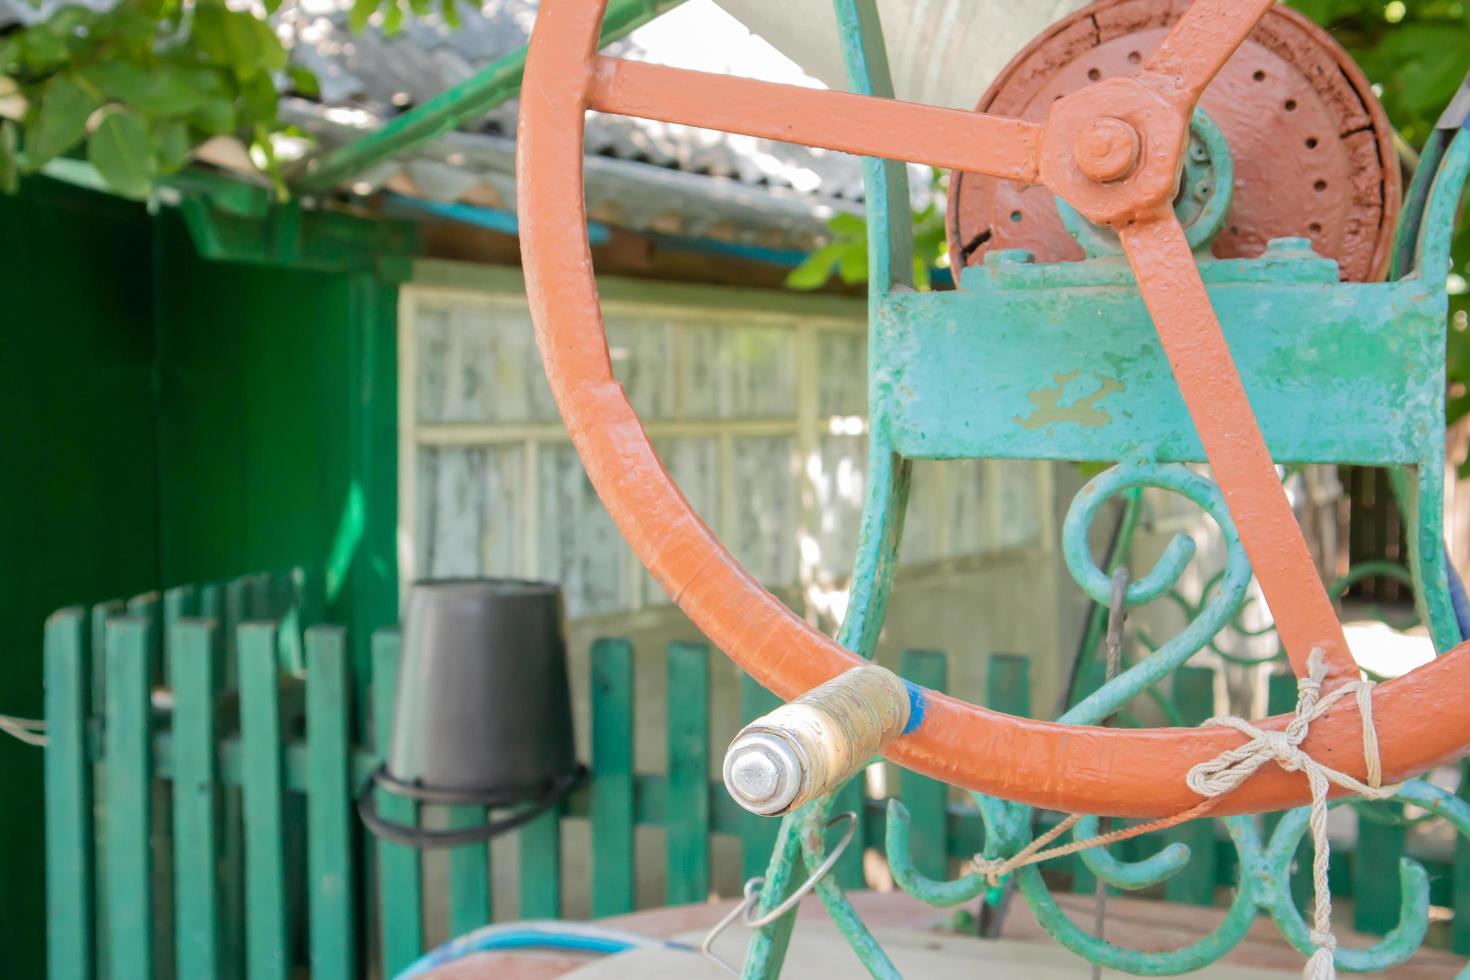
<point x="1311" y="145"/>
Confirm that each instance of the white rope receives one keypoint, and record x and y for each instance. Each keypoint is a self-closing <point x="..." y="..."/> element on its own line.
<point x="1228" y="770"/>
<point x="28" y="730"/>
<point x="1222" y="774"/>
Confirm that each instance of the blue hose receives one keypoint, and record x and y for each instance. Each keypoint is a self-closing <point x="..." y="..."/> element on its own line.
<point x="549" y="934"/>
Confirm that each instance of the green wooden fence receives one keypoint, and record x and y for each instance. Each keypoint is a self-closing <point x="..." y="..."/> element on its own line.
<point x="203" y="750"/>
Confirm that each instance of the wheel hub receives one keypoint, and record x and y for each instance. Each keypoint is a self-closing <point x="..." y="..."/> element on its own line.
<point x="1310" y="143"/>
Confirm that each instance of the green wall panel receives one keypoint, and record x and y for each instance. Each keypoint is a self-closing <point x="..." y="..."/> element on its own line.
<point x="277" y="395"/>
<point x="77" y="437"/>
<point x="168" y="419"/>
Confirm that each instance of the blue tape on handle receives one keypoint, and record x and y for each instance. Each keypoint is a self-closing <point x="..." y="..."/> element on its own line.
<point x="916" y="707"/>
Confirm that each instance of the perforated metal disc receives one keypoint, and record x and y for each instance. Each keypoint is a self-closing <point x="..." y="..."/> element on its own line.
<point x="1311" y="144"/>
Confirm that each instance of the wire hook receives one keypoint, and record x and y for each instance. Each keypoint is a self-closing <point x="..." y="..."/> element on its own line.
<point x="746" y="906"/>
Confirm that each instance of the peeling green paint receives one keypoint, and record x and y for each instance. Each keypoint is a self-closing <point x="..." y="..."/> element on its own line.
<point x="1084" y="411"/>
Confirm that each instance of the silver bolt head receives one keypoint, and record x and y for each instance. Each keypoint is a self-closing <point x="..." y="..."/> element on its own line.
<point x="763" y="772"/>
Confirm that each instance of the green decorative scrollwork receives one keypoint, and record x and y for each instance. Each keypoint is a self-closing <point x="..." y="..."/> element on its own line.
<point x="1263" y="885"/>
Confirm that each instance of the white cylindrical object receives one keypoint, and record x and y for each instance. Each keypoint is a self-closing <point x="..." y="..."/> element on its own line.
<point x="943" y="52"/>
<point x="812" y="745"/>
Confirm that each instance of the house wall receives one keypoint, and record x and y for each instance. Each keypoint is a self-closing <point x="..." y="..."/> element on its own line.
<point x="276" y="395"/>
<point x="77" y="436"/>
<point x="170" y="419"/>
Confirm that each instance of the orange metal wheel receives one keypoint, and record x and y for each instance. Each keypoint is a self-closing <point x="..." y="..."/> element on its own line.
<point x="1421" y="717"/>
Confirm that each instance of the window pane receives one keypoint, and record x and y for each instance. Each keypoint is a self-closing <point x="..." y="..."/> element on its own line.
<point x="478" y="363"/>
<point x="763" y="491"/>
<point x="842" y="378"/>
<point x="577" y="542"/>
<point x="642" y="359"/>
<point x="837" y="480"/>
<point x="468" y="512"/>
<point x="737" y="372"/>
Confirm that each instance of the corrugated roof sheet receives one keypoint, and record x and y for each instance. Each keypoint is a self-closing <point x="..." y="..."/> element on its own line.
<point x="642" y="175"/>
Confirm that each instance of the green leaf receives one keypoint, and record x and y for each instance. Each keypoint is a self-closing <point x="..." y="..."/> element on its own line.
<point x="853" y="266"/>
<point x="273" y="54"/>
<point x="816" y="268"/>
<point x="172" y="145"/>
<point x="238" y="39"/>
<point x="59" y="120"/>
<point x="848" y="225"/>
<point x="1319" y="10"/>
<point x="450" y="13"/>
<point x="42" y="50"/>
<point x="215" y="115"/>
<point x="163" y="90"/>
<point x="9" y="157"/>
<point x="922" y="280"/>
<point x="392" y="18"/>
<point x="304" y="81"/>
<point x="122" y="152"/>
<point x="361" y="13"/>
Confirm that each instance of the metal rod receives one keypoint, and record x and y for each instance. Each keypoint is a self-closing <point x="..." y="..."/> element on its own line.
<point x="810" y="746"/>
<point x="494" y="84"/>
<point x="1117" y="613"/>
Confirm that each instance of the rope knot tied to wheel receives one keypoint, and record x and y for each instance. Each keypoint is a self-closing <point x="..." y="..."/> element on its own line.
<point x="1217" y="777"/>
<point x="1228" y="770"/>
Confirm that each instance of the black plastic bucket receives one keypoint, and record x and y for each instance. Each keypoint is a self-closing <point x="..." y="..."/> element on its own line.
<point x="483" y="715"/>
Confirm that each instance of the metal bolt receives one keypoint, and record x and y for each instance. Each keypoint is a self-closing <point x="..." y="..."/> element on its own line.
<point x="763" y="772"/>
<point x="1107" y="149"/>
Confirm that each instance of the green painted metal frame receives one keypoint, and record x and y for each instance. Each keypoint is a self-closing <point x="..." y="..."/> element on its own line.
<point x="1062" y="362"/>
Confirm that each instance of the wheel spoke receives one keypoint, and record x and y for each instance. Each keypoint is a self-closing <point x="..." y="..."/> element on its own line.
<point x="1199" y="45"/>
<point x="1216" y="399"/>
<point x="947" y="138"/>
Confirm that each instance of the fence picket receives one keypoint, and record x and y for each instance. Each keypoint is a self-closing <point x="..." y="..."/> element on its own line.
<point x="129" y="776"/>
<point x="687" y="816"/>
<point x="97" y="637"/>
<point x="150" y="606"/>
<point x="757" y="833"/>
<point x="333" y="946"/>
<point x="926" y="798"/>
<point x="266" y="954"/>
<point x="234" y="611"/>
<point x="68" y="788"/>
<point x="1008" y="684"/>
<point x="1375" y="866"/>
<point x="613" y="843"/>
<point x="193" y="658"/>
<point x="178" y="603"/>
<point x="469" y="874"/>
<point x="539" y="843"/>
<point x="400" y="887"/>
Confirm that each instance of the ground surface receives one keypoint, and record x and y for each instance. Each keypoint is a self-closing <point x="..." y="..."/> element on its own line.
<point x="907" y="930"/>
